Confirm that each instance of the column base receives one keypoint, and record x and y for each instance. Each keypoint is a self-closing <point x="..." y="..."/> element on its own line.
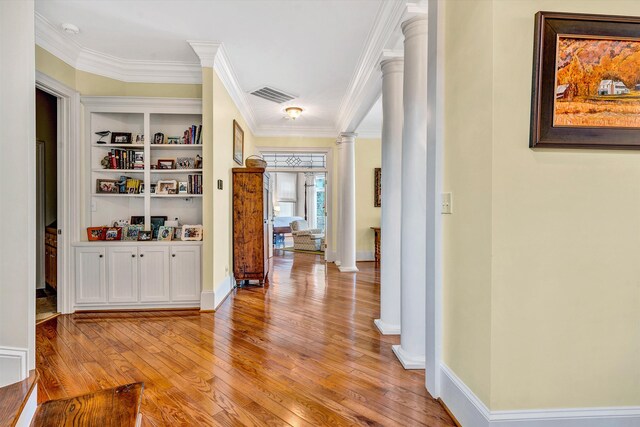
<point x="385" y="328"/>
<point x="409" y="361"/>
<point x="337" y="263"/>
<point x="348" y="269"/>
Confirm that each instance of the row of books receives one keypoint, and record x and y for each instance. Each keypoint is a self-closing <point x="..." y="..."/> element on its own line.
<point x="125" y="159"/>
<point x="194" y="185"/>
<point x="191" y="136"/>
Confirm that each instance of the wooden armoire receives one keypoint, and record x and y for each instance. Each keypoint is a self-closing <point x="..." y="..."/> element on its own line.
<point x="250" y="225"/>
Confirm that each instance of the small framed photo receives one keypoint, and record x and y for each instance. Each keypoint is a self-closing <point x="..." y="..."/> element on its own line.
<point x="156" y="223"/>
<point x="120" y="222"/>
<point x="166" y="164"/>
<point x="130" y="232"/>
<point x="183" y="187"/>
<point x="185" y="163"/>
<point x="141" y="188"/>
<point x="138" y="138"/>
<point x="192" y="232"/>
<point x="165" y="233"/>
<point x="107" y="186"/>
<point x="144" y="235"/>
<point x="96" y="233"/>
<point x="175" y="140"/>
<point x="152" y="190"/>
<point x="163" y="187"/>
<point x="113" y="233"/>
<point x="197" y="163"/>
<point x="177" y="233"/>
<point x="121" y="137"/>
<point x="158" y="138"/>
<point x="137" y="220"/>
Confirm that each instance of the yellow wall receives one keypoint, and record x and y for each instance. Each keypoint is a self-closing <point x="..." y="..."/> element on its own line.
<point x="558" y="237"/>
<point x="368" y="154"/>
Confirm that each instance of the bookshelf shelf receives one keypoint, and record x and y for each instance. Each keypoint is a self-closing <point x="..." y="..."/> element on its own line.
<point x="175" y="196"/>
<point x="118" y="171"/>
<point x="110" y="146"/>
<point x="176" y="146"/>
<point x="177" y="171"/>
<point x="117" y="195"/>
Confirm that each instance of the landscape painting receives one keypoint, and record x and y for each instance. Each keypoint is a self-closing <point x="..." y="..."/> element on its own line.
<point x="597" y="82"/>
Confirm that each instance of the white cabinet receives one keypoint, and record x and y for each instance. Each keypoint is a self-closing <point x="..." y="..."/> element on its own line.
<point x="123" y="274"/>
<point x="154" y="273"/>
<point x="185" y="273"/>
<point x="91" y="281"/>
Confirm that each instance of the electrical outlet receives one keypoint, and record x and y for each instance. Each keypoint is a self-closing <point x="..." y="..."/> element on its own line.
<point x="447" y="204"/>
<point x="219" y="184"/>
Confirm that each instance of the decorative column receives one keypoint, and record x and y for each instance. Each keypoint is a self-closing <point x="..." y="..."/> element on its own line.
<point x="391" y="218"/>
<point x="300" y="193"/>
<point x="340" y="173"/>
<point x="411" y="350"/>
<point x="348" y="185"/>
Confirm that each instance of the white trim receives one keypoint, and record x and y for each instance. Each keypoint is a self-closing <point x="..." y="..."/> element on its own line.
<point x="386" y="329"/>
<point x="348" y="269"/>
<point x="207" y="300"/>
<point x="68" y="182"/>
<point x="120" y="104"/>
<point x="295" y="130"/>
<point x="222" y="291"/>
<point x="469" y="410"/>
<point x="329" y="256"/>
<point x="365" y="256"/>
<point x="41" y="282"/>
<point x="408" y="362"/>
<point x="206" y="51"/>
<point x="56" y="42"/>
<point x="29" y="409"/>
<point x="13" y="355"/>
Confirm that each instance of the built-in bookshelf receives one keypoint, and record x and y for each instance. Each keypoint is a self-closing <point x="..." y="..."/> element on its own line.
<point x="123" y="170"/>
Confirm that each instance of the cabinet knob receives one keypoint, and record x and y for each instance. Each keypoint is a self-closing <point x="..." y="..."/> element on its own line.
<point x="173" y="255"/>
<point x="141" y="255"/>
<point x="100" y="255"/>
<point x="133" y="255"/>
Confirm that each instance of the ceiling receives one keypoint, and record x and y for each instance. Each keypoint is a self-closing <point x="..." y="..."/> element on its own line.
<point x="307" y="48"/>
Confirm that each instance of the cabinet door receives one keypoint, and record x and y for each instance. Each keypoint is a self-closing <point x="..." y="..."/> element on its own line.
<point x="153" y="268"/>
<point x="122" y="272"/>
<point x="185" y="273"/>
<point x="91" y="280"/>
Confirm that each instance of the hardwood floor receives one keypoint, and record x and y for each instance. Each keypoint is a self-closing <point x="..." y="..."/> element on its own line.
<point x="302" y="351"/>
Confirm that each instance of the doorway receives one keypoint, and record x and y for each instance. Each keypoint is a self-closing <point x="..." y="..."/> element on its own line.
<point x="46" y="147"/>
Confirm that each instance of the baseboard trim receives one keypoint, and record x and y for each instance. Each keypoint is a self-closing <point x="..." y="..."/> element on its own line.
<point x="222" y="291"/>
<point x="13" y="365"/>
<point x="348" y="269"/>
<point x="207" y="301"/>
<point x="385" y="328"/>
<point x="408" y="361"/>
<point x="365" y="256"/>
<point x="469" y="410"/>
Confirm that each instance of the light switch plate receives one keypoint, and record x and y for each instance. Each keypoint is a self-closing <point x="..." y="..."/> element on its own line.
<point x="447" y="203"/>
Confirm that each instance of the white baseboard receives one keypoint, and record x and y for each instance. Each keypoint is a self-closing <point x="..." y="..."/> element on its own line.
<point x="408" y="361"/>
<point x="385" y="328"/>
<point x="470" y="411"/>
<point x="330" y="256"/>
<point x="348" y="269"/>
<point x="222" y="291"/>
<point x="365" y="256"/>
<point x="29" y="410"/>
<point x="207" y="300"/>
<point x="13" y="365"/>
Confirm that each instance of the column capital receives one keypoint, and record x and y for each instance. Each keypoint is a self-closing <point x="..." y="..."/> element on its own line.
<point x="392" y="65"/>
<point x="206" y="51"/>
<point x="347" y="137"/>
<point x="415" y="26"/>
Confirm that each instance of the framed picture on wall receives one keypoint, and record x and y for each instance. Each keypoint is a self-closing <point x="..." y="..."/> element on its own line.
<point x="377" y="185"/>
<point x="586" y="81"/>
<point x="238" y="143"/>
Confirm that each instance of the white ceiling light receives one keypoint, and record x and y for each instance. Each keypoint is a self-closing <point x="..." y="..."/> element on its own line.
<point x="70" y="29"/>
<point x="293" y="112"/>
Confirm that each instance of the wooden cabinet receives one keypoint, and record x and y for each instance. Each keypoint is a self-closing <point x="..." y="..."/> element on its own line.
<point x="51" y="257"/>
<point x="137" y="276"/>
<point x="250" y="225"/>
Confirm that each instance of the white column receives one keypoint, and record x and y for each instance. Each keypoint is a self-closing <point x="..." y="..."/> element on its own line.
<point x="411" y="350"/>
<point x="348" y="184"/>
<point x="300" y="180"/>
<point x="391" y="218"/>
<point x="312" y="210"/>
<point x="339" y="192"/>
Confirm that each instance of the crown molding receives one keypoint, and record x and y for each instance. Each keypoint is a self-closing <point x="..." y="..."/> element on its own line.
<point x="303" y="131"/>
<point x="365" y="85"/>
<point x="132" y="71"/>
<point x="206" y="51"/>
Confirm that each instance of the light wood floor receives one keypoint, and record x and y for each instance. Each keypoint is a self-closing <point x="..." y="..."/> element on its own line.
<point x="303" y="351"/>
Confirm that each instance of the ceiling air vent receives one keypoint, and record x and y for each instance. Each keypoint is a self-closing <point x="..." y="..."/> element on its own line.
<point x="271" y="94"/>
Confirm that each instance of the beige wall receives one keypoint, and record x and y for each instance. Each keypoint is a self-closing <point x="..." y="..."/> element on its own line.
<point x="552" y="250"/>
<point x="368" y="154"/>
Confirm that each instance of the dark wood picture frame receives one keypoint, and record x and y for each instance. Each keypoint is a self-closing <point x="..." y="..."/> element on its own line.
<point x="121" y="137"/>
<point x="377" y="185"/>
<point x="238" y="143"/>
<point x="548" y="26"/>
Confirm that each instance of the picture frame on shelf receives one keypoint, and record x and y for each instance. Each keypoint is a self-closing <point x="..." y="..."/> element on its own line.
<point x="120" y="223"/>
<point x="177" y="233"/>
<point x="197" y="163"/>
<point x="165" y="233"/>
<point x="156" y="223"/>
<point x="238" y="143"/>
<point x="96" y="233"/>
<point x="174" y="140"/>
<point x="137" y="220"/>
<point x="158" y="138"/>
<point x="191" y="232"/>
<point x="166" y="164"/>
<point x="185" y="163"/>
<point x="152" y="189"/>
<point x="138" y="138"/>
<point x="163" y="187"/>
<point x="107" y="186"/>
<point x="183" y="187"/>
<point x="121" y="137"/>
<point x="130" y="232"/>
<point x="144" y="235"/>
<point x="113" y="233"/>
<point x="585" y="81"/>
<point x="141" y="188"/>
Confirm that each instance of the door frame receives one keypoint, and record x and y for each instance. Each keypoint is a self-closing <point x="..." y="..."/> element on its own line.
<point x="68" y="185"/>
<point x="329" y="256"/>
<point x="41" y="282"/>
